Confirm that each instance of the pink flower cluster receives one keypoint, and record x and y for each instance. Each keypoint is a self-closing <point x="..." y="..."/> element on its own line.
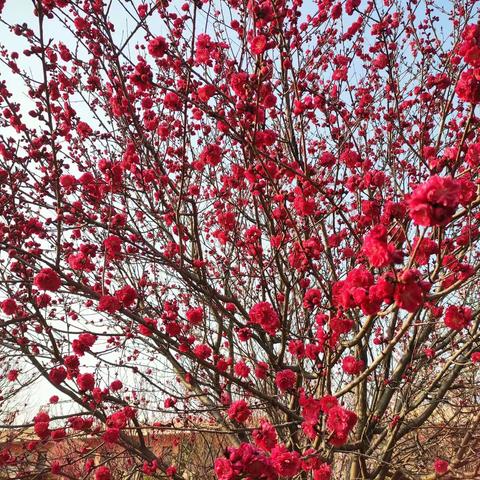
<point x="359" y="289"/>
<point x="263" y="314"/>
<point x="339" y="420"/>
<point x="379" y="252"/>
<point x="458" y="318"/>
<point x="248" y="461"/>
<point x="468" y="86"/>
<point x="435" y="201"/>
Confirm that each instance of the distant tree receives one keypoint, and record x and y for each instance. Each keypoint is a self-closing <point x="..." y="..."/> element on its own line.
<point x="256" y="219"/>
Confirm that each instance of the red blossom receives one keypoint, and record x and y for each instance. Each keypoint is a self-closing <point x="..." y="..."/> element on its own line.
<point x="258" y="44"/>
<point x="265" y="436"/>
<point x="202" y="351"/>
<point x="434" y="202"/>
<point x="340" y="422"/>
<point x="285" y="462"/>
<point x="441" y="466"/>
<point x="475" y="358"/>
<point x="195" y="315"/>
<point x="113" y="247"/>
<point x="458" y="318"/>
<point x="224" y="469"/>
<point x="239" y="411"/>
<point x="172" y="101"/>
<point x="264" y="315"/>
<point x="126" y="295"/>
<point x="469" y="47"/>
<point x="324" y="472"/>
<point x="84" y="130"/>
<point x="312" y="298"/>
<point x="47" y="279"/>
<point x="85" y="382"/>
<point x="378" y="251"/>
<point x="211" y="155"/>
<point x="81" y="262"/>
<point x="409" y="292"/>
<point x="352" y="366"/>
<point x="109" y="304"/>
<point x="204" y="47"/>
<point x="9" y="306"/>
<point x="83" y="343"/>
<point x="241" y="369"/>
<point x="285" y="380"/>
<point x="57" y="375"/>
<point x="102" y="473"/>
<point x="157" y="47"/>
<point x="468" y="86"/>
<point x="116" y="385"/>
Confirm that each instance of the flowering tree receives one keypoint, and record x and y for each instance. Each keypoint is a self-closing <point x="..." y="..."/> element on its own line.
<point x="255" y="220"/>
